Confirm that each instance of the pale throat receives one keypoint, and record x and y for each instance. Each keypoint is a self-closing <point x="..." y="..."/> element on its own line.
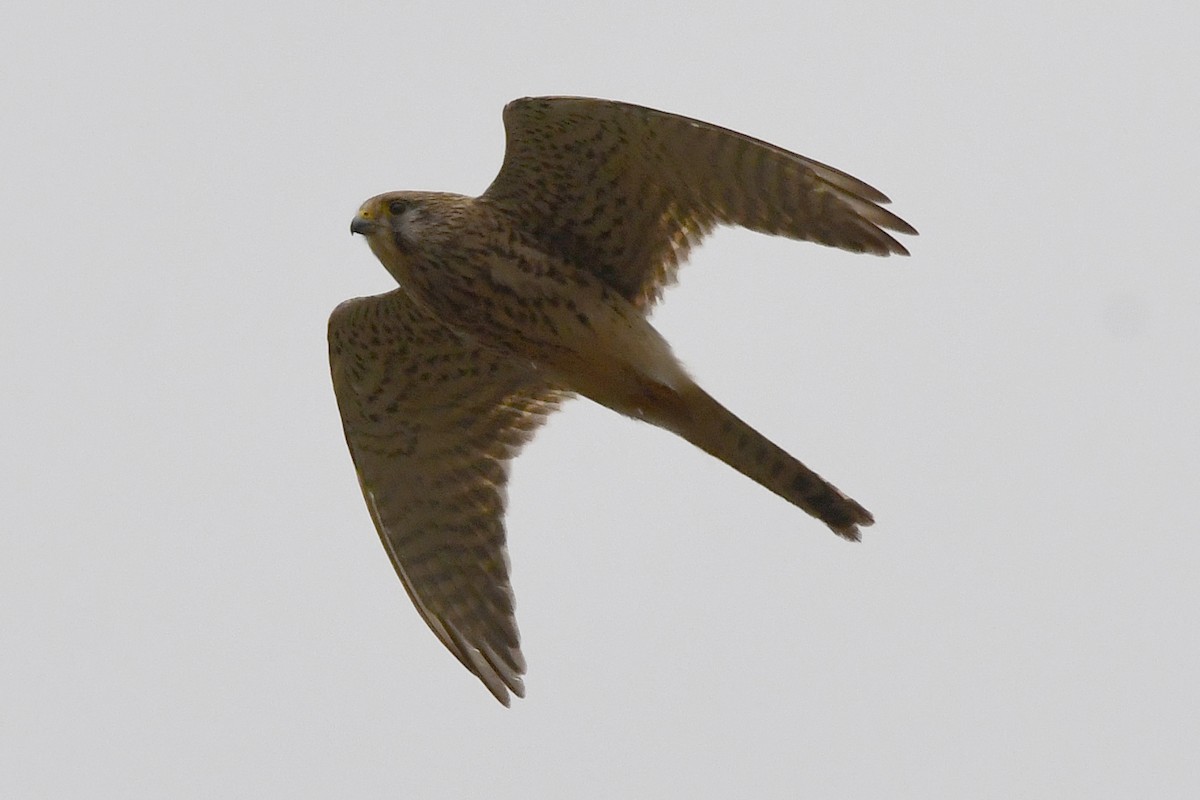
<point x="396" y="262"/>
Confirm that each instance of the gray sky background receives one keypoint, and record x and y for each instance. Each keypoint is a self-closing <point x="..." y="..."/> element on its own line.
<point x="193" y="602"/>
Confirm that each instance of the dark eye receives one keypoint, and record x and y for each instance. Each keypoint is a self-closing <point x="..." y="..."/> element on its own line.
<point x="397" y="207"/>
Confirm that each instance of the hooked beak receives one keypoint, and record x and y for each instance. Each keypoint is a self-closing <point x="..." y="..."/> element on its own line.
<point x="363" y="225"/>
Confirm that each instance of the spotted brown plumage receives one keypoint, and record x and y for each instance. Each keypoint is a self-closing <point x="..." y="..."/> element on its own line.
<point x="539" y="289"/>
<point x="432" y="423"/>
<point x="625" y="191"/>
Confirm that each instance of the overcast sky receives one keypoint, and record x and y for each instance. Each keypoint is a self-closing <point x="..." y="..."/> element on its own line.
<point x="194" y="603"/>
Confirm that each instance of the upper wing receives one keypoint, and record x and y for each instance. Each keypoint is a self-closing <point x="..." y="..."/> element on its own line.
<point x="432" y="423"/>
<point x="625" y="191"/>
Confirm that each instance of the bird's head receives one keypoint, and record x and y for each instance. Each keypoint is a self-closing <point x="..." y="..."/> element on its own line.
<point x="398" y="224"/>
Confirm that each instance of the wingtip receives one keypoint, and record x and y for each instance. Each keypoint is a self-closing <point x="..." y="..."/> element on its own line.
<point x="500" y="691"/>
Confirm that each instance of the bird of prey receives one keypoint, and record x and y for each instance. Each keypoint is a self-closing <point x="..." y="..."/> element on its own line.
<point x="537" y="290"/>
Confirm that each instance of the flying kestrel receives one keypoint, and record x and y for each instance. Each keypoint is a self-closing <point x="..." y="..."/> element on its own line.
<point x="539" y="289"/>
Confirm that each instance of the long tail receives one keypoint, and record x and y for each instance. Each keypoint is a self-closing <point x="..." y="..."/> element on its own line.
<point x="693" y="414"/>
